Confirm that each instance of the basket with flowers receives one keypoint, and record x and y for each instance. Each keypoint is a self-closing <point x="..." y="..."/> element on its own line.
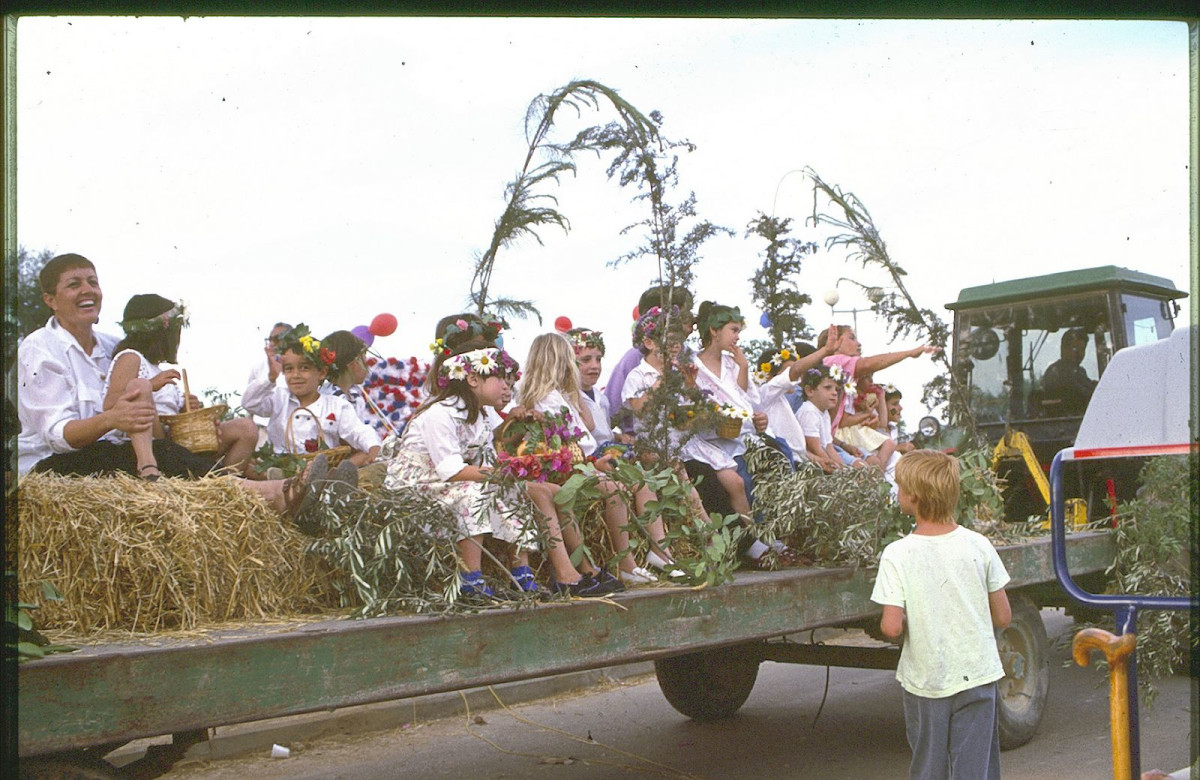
<point x="730" y="419"/>
<point x="539" y="447"/>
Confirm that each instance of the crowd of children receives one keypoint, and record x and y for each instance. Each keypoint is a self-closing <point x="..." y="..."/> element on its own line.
<point x="811" y="403"/>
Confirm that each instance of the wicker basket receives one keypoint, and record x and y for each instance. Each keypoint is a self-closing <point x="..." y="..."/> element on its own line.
<point x="729" y="427"/>
<point x="334" y="455"/>
<point x="197" y="429"/>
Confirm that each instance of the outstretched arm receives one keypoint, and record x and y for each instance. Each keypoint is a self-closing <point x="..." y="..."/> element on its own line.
<point x="873" y="363"/>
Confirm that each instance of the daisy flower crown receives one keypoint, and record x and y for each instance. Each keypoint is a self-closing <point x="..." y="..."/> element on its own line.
<point x="483" y="331"/>
<point x="301" y="341"/>
<point x="176" y="315"/>
<point x="648" y="325"/>
<point x="587" y="339"/>
<point x="484" y="362"/>
<point x="787" y="352"/>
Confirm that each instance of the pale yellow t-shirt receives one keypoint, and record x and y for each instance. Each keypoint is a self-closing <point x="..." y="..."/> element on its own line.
<point x="942" y="583"/>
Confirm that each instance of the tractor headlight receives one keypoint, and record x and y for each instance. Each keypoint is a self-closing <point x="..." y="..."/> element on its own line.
<point x="929" y="427"/>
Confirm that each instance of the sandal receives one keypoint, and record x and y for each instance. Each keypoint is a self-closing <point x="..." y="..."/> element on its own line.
<point x="149" y="477"/>
<point x="300" y="491"/>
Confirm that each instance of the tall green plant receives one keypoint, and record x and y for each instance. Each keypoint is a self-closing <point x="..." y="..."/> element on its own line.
<point x="527" y="206"/>
<point x="896" y="305"/>
<point x="773" y="286"/>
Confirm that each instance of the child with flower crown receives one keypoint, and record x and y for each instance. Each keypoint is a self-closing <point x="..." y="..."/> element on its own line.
<point x="552" y="382"/>
<point x="445" y="452"/>
<point x="322" y="420"/>
<point x="153" y="326"/>
<point x="821" y="392"/>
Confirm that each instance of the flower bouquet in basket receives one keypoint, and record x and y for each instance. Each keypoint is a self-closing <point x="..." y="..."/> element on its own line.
<point x="540" y="447"/>
<point x="729" y="420"/>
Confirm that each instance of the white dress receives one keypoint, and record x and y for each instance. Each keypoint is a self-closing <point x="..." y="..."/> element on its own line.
<point x="436" y="445"/>
<point x="598" y="406"/>
<point x="724" y="388"/>
<point x="168" y="399"/>
<point x="637" y="383"/>
<point x="781" y="420"/>
<point x="553" y="404"/>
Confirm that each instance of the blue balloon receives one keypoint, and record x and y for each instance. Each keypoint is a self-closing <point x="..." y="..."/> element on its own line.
<point x="500" y="341"/>
<point x="765" y="320"/>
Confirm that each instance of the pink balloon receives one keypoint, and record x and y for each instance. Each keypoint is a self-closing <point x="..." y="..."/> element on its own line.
<point x="635" y="314"/>
<point x="562" y="324"/>
<point x="383" y="325"/>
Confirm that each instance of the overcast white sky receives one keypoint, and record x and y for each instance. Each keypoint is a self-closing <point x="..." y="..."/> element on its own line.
<point x="327" y="170"/>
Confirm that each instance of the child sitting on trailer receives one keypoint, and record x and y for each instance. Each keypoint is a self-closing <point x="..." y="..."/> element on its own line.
<point x="942" y="592"/>
<point x="302" y="418"/>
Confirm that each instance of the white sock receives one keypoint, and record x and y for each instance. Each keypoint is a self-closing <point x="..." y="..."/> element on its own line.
<point x="778" y="546"/>
<point x="756" y="550"/>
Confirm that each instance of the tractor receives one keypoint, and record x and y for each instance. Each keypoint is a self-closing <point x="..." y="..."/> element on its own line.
<point x="1028" y="353"/>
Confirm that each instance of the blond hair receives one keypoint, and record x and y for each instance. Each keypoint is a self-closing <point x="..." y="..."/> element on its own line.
<point x="932" y="479"/>
<point x="550" y="366"/>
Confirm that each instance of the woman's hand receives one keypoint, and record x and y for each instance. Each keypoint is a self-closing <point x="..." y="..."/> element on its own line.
<point x="195" y="402"/>
<point x="760" y="421"/>
<point x="133" y="413"/>
<point x="163" y="378"/>
<point x="831" y="341"/>
<point x="739" y="356"/>
<point x="274" y="364"/>
<point x="924" y="349"/>
<point x="605" y="464"/>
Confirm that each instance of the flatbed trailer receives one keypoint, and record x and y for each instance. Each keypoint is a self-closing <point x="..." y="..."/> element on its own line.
<point x="706" y="643"/>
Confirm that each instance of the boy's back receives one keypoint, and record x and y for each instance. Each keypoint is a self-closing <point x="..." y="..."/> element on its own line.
<point x="942" y="583"/>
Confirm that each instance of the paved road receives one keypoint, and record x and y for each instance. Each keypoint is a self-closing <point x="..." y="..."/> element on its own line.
<point x="634" y="732"/>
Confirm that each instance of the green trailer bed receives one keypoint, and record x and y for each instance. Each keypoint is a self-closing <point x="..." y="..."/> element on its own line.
<point x="107" y="694"/>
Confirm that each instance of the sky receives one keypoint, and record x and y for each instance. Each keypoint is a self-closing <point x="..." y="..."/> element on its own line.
<point x="328" y="170"/>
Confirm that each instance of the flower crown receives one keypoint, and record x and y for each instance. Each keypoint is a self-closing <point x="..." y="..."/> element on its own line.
<point x="301" y="341"/>
<point x="890" y="389"/>
<point x="787" y="352"/>
<point x="176" y="315"/>
<point x="587" y="339"/>
<point x="483" y="362"/>
<point x="484" y="331"/>
<point x="648" y="324"/>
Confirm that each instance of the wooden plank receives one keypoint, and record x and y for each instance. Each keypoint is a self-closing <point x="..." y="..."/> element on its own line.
<point x="132" y="690"/>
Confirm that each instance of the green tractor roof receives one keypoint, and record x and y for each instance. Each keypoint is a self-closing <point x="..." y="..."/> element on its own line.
<point x="1105" y="277"/>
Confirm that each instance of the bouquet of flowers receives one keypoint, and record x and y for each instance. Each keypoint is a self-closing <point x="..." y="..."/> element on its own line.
<point x="730" y="419"/>
<point x="540" y="447"/>
<point x="395" y="388"/>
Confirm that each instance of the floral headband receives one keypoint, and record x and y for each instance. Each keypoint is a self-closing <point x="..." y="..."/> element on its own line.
<point x="587" y="339"/>
<point x="176" y="315"/>
<point x="719" y="319"/>
<point x="648" y="324"/>
<point x="788" y="352"/>
<point x="890" y="390"/>
<point x="483" y="362"/>
<point x="301" y="341"/>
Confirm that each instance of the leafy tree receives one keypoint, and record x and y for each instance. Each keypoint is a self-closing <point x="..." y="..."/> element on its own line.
<point x="773" y="286"/>
<point x="526" y="209"/>
<point x="31" y="312"/>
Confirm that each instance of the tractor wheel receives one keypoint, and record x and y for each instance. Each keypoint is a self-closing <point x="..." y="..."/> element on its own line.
<point x="709" y="685"/>
<point x="1026" y="683"/>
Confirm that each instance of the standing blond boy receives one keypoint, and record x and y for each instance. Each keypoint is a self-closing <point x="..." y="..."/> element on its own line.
<point x="942" y="590"/>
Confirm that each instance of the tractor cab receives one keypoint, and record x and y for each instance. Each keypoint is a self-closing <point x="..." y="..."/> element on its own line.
<point x="1030" y="351"/>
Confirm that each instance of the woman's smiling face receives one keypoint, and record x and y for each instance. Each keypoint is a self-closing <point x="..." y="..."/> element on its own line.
<point x="76" y="299"/>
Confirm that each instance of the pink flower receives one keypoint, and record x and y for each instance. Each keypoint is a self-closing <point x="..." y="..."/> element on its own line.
<point x="460" y="324"/>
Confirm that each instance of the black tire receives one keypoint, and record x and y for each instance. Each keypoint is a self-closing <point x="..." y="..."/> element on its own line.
<point x="1024" y="651"/>
<point x="709" y="685"/>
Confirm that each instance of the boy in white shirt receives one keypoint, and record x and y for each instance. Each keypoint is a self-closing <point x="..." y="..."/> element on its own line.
<point x="942" y="591"/>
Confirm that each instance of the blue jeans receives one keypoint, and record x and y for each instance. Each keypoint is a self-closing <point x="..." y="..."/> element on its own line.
<point x="958" y="736"/>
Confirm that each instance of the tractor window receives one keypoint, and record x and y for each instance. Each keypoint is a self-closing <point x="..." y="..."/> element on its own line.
<point x="1146" y="319"/>
<point x="1034" y="360"/>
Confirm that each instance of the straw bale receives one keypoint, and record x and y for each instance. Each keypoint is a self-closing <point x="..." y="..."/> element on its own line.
<point x="174" y="554"/>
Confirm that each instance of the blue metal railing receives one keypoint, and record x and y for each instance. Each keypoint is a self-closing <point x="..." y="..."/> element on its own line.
<point x="1124" y="607"/>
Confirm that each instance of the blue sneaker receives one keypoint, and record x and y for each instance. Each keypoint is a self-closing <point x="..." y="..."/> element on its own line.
<point x="472" y="584"/>
<point x="525" y="581"/>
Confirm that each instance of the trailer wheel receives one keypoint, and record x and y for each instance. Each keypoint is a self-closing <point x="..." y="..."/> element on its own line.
<point x="1022" y="693"/>
<point x="709" y="685"/>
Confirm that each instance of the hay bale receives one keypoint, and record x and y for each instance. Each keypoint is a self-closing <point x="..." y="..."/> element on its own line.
<point x="151" y="556"/>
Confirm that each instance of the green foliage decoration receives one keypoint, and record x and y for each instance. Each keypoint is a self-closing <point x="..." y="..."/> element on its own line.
<point x="22" y="640"/>
<point x="773" y="286"/>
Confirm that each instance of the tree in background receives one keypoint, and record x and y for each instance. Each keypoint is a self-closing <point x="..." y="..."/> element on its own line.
<point x="30" y="311"/>
<point x="773" y="286"/>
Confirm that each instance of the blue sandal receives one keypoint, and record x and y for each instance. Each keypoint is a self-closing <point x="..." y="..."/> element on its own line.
<point x="472" y="585"/>
<point x="525" y="580"/>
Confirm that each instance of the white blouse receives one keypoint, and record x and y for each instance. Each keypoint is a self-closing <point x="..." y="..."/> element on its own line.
<point x="443" y="433"/>
<point x="781" y="420"/>
<point x="57" y="382"/>
<point x="333" y="415"/>
<point x="724" y="388"/>
<point x="598" y="406"/>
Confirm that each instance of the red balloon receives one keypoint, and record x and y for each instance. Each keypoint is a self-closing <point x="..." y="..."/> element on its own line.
<point x="383" y="325"/>
<point x="562" y="324"/>
<point x="635" y="314"/>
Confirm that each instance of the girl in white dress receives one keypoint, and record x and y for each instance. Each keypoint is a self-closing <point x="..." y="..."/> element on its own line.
<point x="445" y="451"/>
<point x="302" y="418"/>
<point x="551" y="382"/>
<point x="153" y="326"/>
